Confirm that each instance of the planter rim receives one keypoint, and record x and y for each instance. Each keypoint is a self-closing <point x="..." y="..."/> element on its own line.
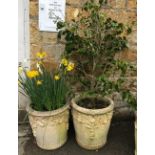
<point x="46" y="113"/>
<point x="80" y="109"/>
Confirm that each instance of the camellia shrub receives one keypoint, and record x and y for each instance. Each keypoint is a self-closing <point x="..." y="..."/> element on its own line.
<point x="92" y="41"/>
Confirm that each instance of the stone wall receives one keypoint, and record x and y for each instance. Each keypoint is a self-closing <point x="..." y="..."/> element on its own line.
<point x="121" y="10"/>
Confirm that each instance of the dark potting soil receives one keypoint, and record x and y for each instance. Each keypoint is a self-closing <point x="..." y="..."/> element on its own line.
<point x="92" y="103"/>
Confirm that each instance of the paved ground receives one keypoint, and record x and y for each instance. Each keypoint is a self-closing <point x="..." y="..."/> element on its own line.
<point x="120" y="142"/>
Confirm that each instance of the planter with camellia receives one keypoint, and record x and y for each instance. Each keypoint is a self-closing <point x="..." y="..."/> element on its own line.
<point x="92" y="117"/>
<point x="48" y="110"/>
<point x="92" y="42"/>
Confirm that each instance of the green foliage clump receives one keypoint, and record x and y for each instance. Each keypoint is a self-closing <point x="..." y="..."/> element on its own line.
<point x="46" y="90"/>
<point x="93" y="40"/>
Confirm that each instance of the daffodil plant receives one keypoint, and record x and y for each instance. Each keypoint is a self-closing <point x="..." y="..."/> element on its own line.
<point x="92" y="40"/>
<point x="47" y="91"/>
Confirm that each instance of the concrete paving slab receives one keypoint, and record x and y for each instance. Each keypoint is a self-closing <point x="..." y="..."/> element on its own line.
<point x="120" y="142"/>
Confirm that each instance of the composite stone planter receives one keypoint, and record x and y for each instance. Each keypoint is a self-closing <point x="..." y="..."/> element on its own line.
<point x="49" y="128"/>
<point x="91" y="126"/>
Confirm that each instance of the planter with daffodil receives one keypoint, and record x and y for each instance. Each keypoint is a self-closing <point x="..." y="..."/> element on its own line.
<point x="48" y="110"/>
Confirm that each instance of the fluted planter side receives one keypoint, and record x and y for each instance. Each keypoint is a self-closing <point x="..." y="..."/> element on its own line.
<point x="49" y="128"/>
<point x="91" y="126"/>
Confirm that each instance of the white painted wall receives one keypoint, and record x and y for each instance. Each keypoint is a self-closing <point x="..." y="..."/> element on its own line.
<point x="23" y="31"/>
<point x="23" y="41"/>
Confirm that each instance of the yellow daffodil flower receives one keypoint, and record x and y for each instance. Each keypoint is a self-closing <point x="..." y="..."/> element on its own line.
<point x="20" y="70"/>
<point x="39" y="82"/>
<point x="32" y="74"/>
<point x="64" y="61"/>
<point x="41" y="55"/>
<point x="56" y="77"/>
<point x="70" y="66"/>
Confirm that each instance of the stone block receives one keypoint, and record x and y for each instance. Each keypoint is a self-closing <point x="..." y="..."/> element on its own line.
<point x="132" y="4"/>
<point x="120" y="4"/>
<point x="76" y="3"/>
<point x="34" y="9"/>
<point x="41" y="37"/>
<point x="70" y="13"/>
<point x="128" y="55"/>
<point x="49" y="37"/>
<point x="35" y="36"/>
<point x="54" y="51"/>
<point x="111" y="3"/>
<point x="120" y="15"/>
<point x="132" y="38"/>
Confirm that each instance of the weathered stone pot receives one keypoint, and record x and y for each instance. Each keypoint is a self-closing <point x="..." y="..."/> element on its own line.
<point x="49" y="128"/>
<point x="91" y="126"/>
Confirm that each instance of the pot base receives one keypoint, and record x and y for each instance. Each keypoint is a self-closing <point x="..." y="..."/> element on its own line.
<point x="90" y="147"/>
<point x="52" y="148"/>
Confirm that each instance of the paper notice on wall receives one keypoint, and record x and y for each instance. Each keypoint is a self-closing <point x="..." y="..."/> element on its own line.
<point x="49" y="12"/>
